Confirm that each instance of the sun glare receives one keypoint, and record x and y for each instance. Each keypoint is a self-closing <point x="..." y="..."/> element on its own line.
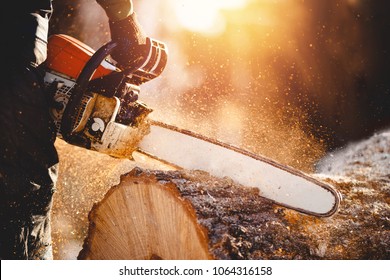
<point x="204" y="15"/>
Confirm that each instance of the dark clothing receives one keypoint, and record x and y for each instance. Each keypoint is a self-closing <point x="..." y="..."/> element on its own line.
<point x="28" y="166"/>
<point x="28" y="158"/>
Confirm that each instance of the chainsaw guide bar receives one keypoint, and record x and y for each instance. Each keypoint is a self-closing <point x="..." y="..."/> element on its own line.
<point x="280" y="183"/>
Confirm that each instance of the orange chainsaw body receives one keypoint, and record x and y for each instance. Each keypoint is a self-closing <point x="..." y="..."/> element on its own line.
<point x="68" y="56"/>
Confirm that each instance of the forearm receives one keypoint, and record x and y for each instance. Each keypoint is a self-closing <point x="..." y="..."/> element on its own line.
<point x="117" y="9"/>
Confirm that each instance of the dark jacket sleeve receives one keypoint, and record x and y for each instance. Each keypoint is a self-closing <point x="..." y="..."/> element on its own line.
<point x="117" y="9"/>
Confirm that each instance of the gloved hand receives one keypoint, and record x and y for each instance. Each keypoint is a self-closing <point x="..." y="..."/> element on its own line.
<point x="131" y="50"/>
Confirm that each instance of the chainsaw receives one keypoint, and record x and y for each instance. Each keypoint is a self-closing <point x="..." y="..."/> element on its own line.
<point x="96" y="106"/>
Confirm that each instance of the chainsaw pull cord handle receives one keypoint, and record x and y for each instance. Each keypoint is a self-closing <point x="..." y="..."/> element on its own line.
<point x="70" y="114"/>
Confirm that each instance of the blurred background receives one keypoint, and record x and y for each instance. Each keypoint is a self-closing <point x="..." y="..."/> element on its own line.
<point x="290" y="79"/>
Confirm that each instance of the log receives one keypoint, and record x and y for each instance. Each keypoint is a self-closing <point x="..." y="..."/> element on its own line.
<point x="173" y="215"/>
<point x="179" y="214"/>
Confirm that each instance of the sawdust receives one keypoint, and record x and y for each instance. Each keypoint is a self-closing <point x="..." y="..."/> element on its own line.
<point x="361" y="172"/>
<point x="85" y="177"/>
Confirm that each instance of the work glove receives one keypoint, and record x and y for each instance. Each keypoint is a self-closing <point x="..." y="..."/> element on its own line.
<point x="131" y="50"/>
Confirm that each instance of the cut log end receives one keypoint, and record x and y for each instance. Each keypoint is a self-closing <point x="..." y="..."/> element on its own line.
<point x="142" y="219"/>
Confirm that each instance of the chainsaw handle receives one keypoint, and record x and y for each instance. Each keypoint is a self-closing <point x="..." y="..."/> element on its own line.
<point x="70" y="113"/>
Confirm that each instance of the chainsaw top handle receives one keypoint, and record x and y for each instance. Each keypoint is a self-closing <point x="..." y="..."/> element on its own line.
<point x="70" y="113"/>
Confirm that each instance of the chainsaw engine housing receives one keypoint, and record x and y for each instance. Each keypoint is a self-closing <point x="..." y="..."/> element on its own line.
<point x="107" y="116"/>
